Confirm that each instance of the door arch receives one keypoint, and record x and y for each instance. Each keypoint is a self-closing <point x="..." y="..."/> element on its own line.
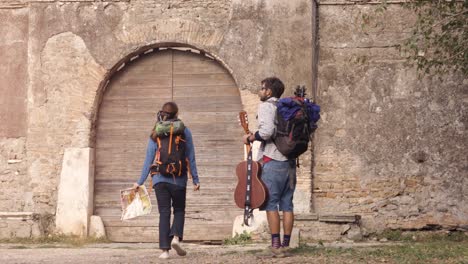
<point x="209" y="102"/>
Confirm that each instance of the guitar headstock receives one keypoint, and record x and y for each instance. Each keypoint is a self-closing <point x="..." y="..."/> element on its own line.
<point x="244" y="121"/>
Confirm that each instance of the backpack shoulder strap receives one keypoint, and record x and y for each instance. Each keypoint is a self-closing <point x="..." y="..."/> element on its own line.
<point x="157" y="157"/>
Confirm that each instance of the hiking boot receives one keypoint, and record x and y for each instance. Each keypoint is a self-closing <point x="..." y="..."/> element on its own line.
<point x="175" y="244"/>
<point x="286" y="251"/>
<point x="277" y="252"/>
<point x="271" y="253"/>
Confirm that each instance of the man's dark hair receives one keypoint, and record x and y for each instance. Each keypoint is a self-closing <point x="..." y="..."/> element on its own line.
<point x="275" y="85"/>
<point x="171" y="109"/>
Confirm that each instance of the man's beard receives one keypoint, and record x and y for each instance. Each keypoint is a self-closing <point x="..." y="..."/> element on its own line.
<point x="264" y="98"/>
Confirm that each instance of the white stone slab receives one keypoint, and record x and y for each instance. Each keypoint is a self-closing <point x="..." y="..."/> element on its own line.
<point x="75" y="193"/>
<point x="17" y="215"/>
<point x="259" y="229"/>
<point x="96" y="227"/>
<point x="257" y="225"/>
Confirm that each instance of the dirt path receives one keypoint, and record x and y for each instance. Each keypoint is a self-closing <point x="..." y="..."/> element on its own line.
<point x="435" y="252"/>
<point x="136" y="253"/>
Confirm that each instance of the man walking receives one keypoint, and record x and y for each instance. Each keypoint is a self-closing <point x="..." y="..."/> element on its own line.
<point x="276" y="174"/>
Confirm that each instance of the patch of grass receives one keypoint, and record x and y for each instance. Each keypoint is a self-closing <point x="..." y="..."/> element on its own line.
<point x="56" y="239"/>
<point x="254" y="251"/>
<point x="238" y="239"/>
<point x="423" y="252"/>
<point x="408" y="252"/>
<point x="304" y="249"/>
<point x="229" y="253"/>
<point x="52" y="246"/>
<point x="18" y="247"/>
<point x="334" y="252"/>
<point x="421" y="236"/>
<point x="451" y="236"/>
<point x="395" y="235"/>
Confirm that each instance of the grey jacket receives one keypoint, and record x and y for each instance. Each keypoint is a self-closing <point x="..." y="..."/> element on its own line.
<point x="266" y="117"/>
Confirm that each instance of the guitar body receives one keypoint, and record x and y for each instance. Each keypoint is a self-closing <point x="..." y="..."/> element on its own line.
<point x="258" y="192"/>
<point x="253" y="196"/>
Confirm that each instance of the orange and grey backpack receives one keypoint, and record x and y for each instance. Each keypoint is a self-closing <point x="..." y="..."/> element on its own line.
<point x="170" y="159"/>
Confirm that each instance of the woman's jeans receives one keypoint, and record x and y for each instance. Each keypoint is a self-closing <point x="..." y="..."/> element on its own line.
<point x="165" y="194"/>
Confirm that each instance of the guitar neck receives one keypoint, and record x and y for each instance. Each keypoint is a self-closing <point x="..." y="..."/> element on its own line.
<point x="248" y="147"/>
<point x="247" y="132"/>
<point x="245" y="125"/>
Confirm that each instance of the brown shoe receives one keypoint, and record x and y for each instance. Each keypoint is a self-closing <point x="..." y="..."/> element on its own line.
<point x="286" y="251"/>
<point x="271" y="253"/>
<point x="277" y="252"/>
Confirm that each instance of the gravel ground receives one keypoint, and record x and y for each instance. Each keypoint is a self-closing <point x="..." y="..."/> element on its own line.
<point x="137" y="253"/>
<point x="142" y="253"/>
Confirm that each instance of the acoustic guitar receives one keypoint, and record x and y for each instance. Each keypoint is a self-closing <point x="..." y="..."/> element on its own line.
<point x="250" y="191"/>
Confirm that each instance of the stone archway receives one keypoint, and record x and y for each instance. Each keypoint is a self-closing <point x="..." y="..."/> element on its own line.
<point x="209" y="102"/>
<point x="78" y="163"/>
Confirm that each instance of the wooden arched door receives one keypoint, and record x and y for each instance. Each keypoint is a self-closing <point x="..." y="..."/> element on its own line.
<point x="209" y="103"/>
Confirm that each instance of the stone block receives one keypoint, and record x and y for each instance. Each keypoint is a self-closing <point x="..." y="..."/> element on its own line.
<point x="339" y="218"/>
<point x="36" y="231"/>
<point x="354" y="233"/>
<point x="258" y="226"/>
<point x="20" y="229"/>
<point x="96" y="227"/>
<point x="75" y="194"/>
<point x="20" y="225"/>
<point x="5" y="233"/>
<point x="260" y="231"/>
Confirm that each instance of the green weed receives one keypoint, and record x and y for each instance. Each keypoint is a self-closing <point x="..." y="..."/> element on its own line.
<point x="435" y="251"/>
<point x="56" y="239"/>
<point x="238" y="239"/>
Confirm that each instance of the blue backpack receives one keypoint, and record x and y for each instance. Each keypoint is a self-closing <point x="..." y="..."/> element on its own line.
<point x="296" y="121"/>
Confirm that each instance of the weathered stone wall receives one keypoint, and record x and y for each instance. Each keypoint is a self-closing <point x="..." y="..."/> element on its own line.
<point x="390" y="147"/>
<point x="14" y="193"/>
<point x="20" y="224"/>
<point x="72" y="48"/>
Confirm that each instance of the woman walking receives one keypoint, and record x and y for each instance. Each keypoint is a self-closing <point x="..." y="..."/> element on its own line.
<point x="170" y="157"/>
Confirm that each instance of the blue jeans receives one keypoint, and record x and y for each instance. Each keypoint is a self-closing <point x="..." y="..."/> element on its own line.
<point x="167" y="193"/>
<point x="275" y="175"/>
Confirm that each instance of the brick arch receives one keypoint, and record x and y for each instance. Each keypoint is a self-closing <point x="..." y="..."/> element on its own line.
<point x="248" y="99"/>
